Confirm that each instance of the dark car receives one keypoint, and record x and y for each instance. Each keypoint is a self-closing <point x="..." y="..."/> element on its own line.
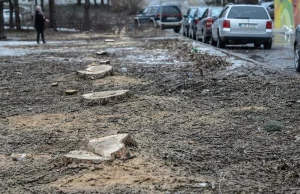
<point x="297" y="48"/>
<point x="203" y="29"/>
<point x="187" y="19"/>
<point x="170" y="18"/>
<point x="270" y="8"/>
<point x="194" y="20"/>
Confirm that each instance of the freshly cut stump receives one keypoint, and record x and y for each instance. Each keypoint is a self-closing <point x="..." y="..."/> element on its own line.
<point x="96" y="72"/>
<point x="105" y="62"/>
<point x="112" y="147"/>
<point x="101" y="53"/>
<point x="78" y="156"/>
<point x="109" y="40"/>
<point x="70" y="92"/>
<point x="105" y="97"/>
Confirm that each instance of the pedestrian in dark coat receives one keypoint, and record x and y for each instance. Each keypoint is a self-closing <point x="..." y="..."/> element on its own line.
<point x="39" y="24"/>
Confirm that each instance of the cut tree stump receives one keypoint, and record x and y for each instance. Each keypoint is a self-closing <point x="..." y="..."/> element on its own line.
<point x="105" y="62"/>
<point x="105" y="96"/>
<point x="109" y="40"/>
<point x="70" y="92"/>
<point x="101" y="53"/>
<point x="96" y="72"/>
<point x="112" y="147"/>
<point x="78" y="156"/>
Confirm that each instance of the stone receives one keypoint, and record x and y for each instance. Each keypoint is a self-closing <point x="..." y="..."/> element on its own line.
<point x="105" y="62"/>
<point x="109" y="40"/>
<point x="96" y="72"/>
<point x="80" y="156"/>
<point x="105" y="96"/>
<point x="54" y="84"/>
<point x="112" y="147"/>
<point x="70" y="92"/>
<point x="101" y="53"/>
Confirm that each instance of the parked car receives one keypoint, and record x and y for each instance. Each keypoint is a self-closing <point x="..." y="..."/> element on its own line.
<point x="243" y="24"/>
<point x="297" y="48"/>
<point x="270" y="8"/>
<point x="187" y="19"/>
<point x="203" y="28"/>
<point x="194" y="20"/>
<point x="6" y="13"/>
<point x="171" y="17"/>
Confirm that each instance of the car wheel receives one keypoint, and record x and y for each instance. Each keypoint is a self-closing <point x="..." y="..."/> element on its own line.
<point x="212" y="42"/>
<point x="177" y="29"/>
<point x="220" y="43"/>
<point x="296" y="57"/>
<point x="204" y="39"/>
<point x="268" y="44"/>
<point x="257" y="45"/>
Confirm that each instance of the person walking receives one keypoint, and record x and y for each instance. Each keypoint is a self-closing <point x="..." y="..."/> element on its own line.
<point x="39" y="24"/>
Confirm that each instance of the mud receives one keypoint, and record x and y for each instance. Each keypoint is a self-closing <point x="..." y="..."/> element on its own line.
<point x="199" y="128"/>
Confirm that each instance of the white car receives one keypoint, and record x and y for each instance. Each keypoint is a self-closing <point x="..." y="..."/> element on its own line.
<point x="6" y="13"/>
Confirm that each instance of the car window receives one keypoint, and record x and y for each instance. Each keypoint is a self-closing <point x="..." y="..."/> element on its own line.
<point x="192" y="12"/>
<point x="145" y="11"/>
<point x="170" y="10"/>
<point x="223" y="13"/>
<point x="247" y="12"/>
<point x="201" y="12"/>
<point x="216" y="11"/>
<point x="205" y="14"/>
<point x="271" y="6"/>
<point x="153" y="10"/>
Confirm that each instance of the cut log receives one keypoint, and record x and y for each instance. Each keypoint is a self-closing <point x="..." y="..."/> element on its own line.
<point x="78" y="156"/>
<point x="105" y="62"/>
<point x="96" y="72"/>
<point x="112" y="147"/>
<point x="109" y="40"/>
<point x="105" y="97"/>
<point x="101" y="53"/>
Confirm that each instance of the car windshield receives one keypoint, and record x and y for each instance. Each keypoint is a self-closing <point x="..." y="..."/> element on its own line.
<point x="170" y="10"/>
<point x="216" y="11"/>
<point x="201" y="11"/>
<point x="247" y="12"/>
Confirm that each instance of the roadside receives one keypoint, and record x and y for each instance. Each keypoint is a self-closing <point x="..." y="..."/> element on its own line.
<point x="203" y="124"/>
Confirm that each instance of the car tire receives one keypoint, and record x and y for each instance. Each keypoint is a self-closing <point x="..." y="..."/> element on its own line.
<point x="220" y="43"/>
<point x="212" y="42"/>
<point x="257" y="45"/>
<point x="268" y="44"/>
<point x="177" y="29"/>
<point x="297" y="57"/>
<point x="205" y="39"/>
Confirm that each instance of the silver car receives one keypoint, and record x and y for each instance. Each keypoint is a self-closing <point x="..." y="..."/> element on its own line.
<point x="243" y="24"/>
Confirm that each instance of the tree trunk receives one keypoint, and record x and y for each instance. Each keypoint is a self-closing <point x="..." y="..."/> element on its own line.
<point x="102" y="3"/>
<point x="108" y="2"/>
<point x="17" y="14"/>
<point x="52" y="15"/>
<point x="35" y="2"/>
<point x="2" y="33"/>
<point x="11" y="14"/>
<point x="42" y="5"/>
<point x="95" y="2"/>
<point x="78" y="2"/>
<point x="86" y="22"/>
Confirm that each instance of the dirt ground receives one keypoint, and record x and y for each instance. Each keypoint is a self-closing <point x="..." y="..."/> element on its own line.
<point x="199" y="128"/>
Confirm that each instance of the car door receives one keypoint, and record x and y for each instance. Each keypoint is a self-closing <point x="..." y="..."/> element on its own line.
<point x="142" y="17"/>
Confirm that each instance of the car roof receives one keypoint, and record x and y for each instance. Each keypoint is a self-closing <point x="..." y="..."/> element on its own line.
<point x="155" y="5"/>
<point x="243" y="5"/>
<point x="266" y="3"/>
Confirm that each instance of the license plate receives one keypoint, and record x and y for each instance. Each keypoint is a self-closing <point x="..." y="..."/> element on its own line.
<point x="248" y="25"/>
<point x="171" y="18"/>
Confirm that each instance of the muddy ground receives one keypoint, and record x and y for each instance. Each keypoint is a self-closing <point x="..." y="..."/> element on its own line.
<point x="200" y="127"/>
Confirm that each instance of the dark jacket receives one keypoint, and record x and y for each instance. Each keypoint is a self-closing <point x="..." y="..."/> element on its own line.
<point x="39" y="22"/>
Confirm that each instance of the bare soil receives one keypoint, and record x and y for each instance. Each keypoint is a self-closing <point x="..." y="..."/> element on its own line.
<point x="194" y="122"/>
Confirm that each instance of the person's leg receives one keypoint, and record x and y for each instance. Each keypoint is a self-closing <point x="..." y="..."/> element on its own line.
<point x="38" y="36"/>
<point x="43" y="38"/>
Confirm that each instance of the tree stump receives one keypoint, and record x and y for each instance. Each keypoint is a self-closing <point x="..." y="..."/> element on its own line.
<point x="103" y="98"/>
<point x="96" y="72"/>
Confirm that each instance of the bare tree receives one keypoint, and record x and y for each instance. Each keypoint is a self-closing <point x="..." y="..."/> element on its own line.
<point x="108" y="2"/>
<point x="102" y="3"/>
<point x="86" y="22"/>
<point x="52" y="15"/>
<point x="11" y="14"/>
<point x="95" y="2"/>
<point x="78" y="2"/>
<point x="2" y="33"/>
<point x="42" y="5"/>
<point x="35" y="2"/>
<point x="17" y="14"/>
